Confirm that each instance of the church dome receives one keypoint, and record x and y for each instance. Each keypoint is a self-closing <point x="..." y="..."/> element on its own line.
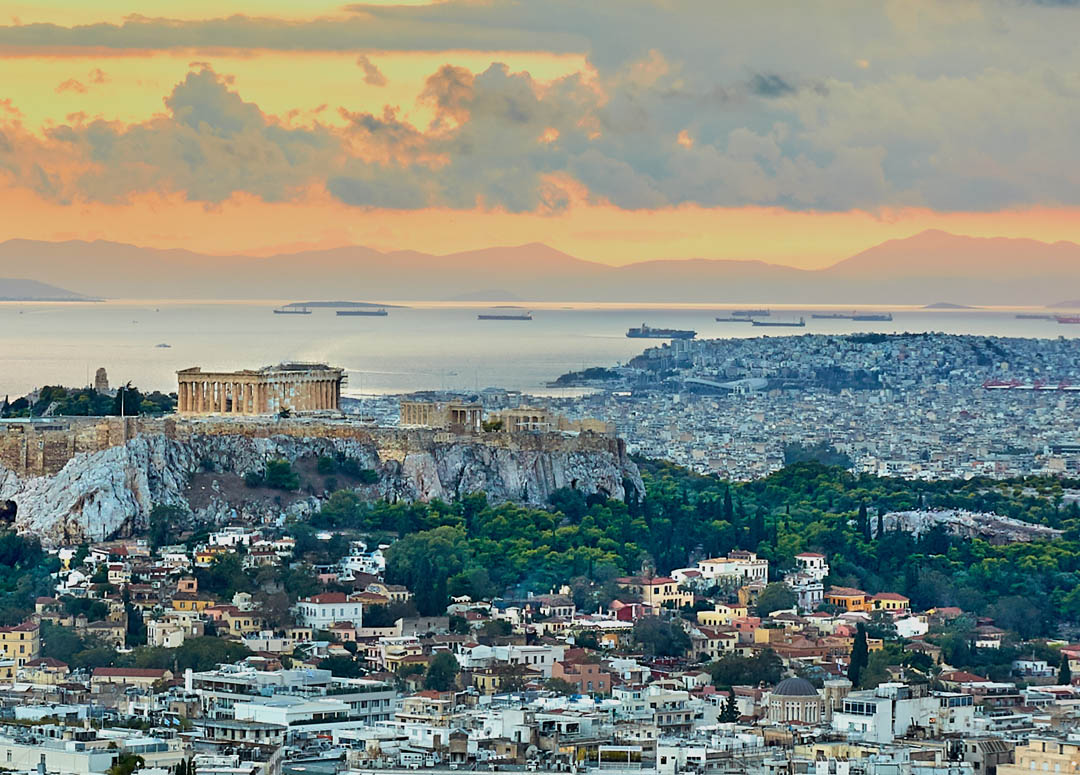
<point x="795" y="687"/>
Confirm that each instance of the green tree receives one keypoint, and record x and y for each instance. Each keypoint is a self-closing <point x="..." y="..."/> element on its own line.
<point x="730" y="712"/>
<point x="776" y="597"/>
<point x="735" y="670"/>
<point x="661" y="638"/>
<point x="126" y="764"/>
<point x="128" y="401"/>
<point x="1064" y="671"/>
<point x="442" y="672"/>
<point x="341" y="667"/>
<point x="859" y="656"/>
<point x="279" y="475"/>
<point x="165" y="522"/>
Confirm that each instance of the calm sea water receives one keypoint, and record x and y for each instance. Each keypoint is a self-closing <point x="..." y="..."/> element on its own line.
<point x="421" y="347"/>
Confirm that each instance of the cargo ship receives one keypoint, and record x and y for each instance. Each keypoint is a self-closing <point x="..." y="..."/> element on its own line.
<point x="750" y="313"/>
<point x="1032" y="316"/>
<point x="292" y="311"/>
<point x="884" y="316"/>
<point x="1069" y="319"/>
<point x="505" y="316"/>
<point x="800" y="323"/>
<point x="833" y="315"/>
<point x="644" y="332"/>
<point x="374" y="313"/>
<point x="734" y="320"/>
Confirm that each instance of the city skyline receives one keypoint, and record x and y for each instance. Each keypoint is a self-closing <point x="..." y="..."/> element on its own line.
<point x="665" y="131"/>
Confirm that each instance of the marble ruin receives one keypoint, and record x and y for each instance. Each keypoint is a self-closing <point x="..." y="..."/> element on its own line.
<point x="292" y="387"/>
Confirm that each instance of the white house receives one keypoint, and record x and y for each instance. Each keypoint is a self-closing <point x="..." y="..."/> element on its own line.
<point x="327" y="609"/>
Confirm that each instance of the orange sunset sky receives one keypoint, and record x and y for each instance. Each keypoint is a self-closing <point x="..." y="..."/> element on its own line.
<point x="615" y="130"/>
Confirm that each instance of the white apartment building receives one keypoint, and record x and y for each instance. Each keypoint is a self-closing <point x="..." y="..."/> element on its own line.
<point x="327" y="609"/>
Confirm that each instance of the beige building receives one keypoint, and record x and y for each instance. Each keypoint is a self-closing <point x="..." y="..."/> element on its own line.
<point x="656" y="591"/>
<point x="21" y="642"/>
<point x="456" y="415"/>
<point x="533" y="418"/>
<point x="794" y="701"/>
<point x="296" y="387"/>
<point x="1043" y="754"/>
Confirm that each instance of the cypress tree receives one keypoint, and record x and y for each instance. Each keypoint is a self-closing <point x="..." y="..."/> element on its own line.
<point x="730" y="713"/>
<point x="1064" y="671"/>
<point x="880" y="524"/>
<point x="860" y="656"/>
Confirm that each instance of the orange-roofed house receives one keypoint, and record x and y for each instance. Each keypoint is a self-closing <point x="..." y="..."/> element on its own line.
<point x="848" y="599"/>
<point x="890" y="602"/>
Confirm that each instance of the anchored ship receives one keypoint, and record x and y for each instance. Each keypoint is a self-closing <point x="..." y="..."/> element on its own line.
<point x="292" y="311"/>
<point x="644" y="332"/>
<point x="800" y="323"/>
<point x="750" y="313"/>
<point x="505" y="316"/>
<point x="368" y="312"/>
<point x="873" y="316"/>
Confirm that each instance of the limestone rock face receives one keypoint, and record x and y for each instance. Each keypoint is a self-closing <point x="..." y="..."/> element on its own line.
<point x="111" y="492"/>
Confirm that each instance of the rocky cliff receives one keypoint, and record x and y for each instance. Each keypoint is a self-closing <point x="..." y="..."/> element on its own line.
<point x="111" y="491"/>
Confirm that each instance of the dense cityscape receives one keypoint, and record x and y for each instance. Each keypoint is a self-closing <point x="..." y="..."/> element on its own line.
<point x="622" y="387"/>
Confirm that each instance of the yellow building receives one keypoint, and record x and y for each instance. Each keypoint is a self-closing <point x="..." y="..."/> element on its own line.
<point x="191" y="601"/>
<point x="241" y="622"/>
<point x="20" y="643"/>
<point x="1043" y="754"/>
<point x="848" y="599"/>
<point x="722" y="616"/>
<point x="890" y="601"/>
<point x="656" y="591"/>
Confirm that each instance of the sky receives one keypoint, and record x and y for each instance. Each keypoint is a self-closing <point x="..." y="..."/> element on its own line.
<point x="615" y="130"/>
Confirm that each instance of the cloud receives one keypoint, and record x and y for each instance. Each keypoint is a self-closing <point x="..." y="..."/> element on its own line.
<point x="98" y="76"/>
<point x="71" y="85"/>
<point x="211" y="145"/>
<point x="372" y="75"/>
<point x="966" y="107"/>
<point x="770" y="85"/>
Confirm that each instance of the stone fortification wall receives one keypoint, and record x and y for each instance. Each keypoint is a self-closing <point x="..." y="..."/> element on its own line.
<point x="43" y="449"/>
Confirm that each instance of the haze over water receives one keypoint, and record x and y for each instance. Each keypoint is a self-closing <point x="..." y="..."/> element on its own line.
<point x="427" y="346"/>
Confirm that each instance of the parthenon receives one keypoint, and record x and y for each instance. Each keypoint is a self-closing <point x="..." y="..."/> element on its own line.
<point x="296" y="387"/>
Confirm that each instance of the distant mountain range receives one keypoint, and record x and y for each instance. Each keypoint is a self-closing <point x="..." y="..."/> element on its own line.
<point x="920" y="269"/>
<point x="18" y="289"/>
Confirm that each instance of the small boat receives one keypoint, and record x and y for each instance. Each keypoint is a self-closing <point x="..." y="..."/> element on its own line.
<point x="505" y="316"/>
<point x="163" y="346"/>
<point x="362" y="311"/>
<point x="800" y="323"/>
<point x="292" y="311"/>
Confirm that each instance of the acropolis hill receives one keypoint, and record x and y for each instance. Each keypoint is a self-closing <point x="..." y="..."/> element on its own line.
<point x="75" y="478"/>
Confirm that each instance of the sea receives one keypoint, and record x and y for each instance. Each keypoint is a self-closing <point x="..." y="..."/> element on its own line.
<point x="417" y="346"/>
